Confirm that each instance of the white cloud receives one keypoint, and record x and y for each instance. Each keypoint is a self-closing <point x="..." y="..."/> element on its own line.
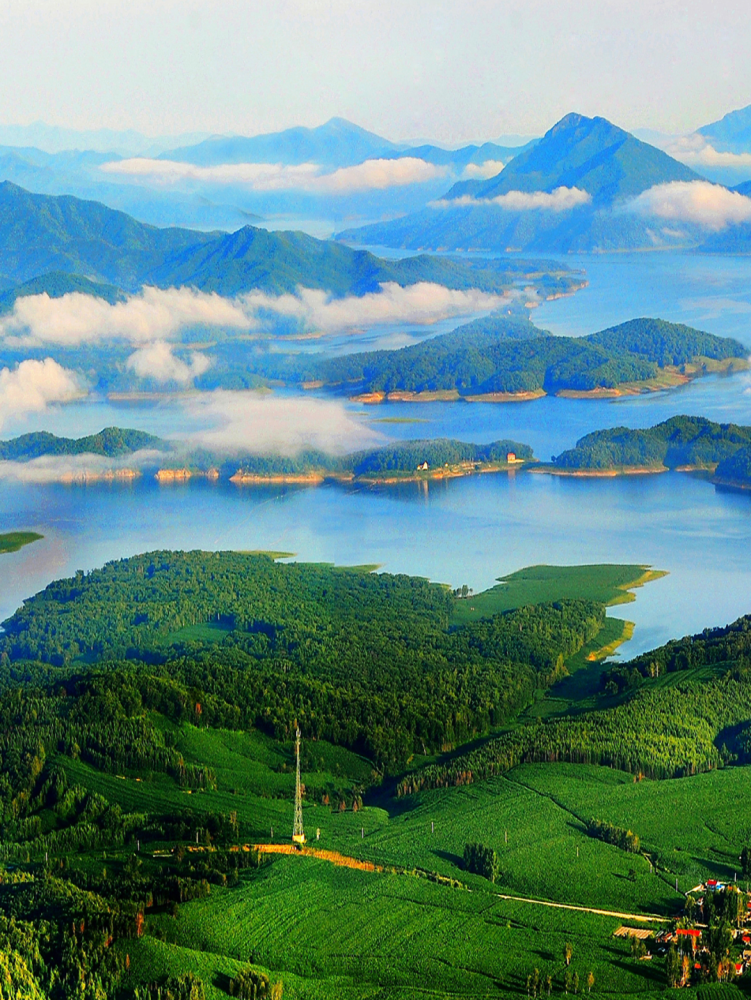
<point x="156" y="361"/>
<point x="257" y="423"/>
<point x="158" y="315"/>
<point x="562" y="199"/>
<point x="422" y="303"/>
<point x="709" y="205"/>
<point x="483" y="171"/>
<point x="695" y="151"/>
<point x="76" y="468"/>
<point x="370" y="175"/>
<point x="153" y="314"/>
<point x="32" y="386"/>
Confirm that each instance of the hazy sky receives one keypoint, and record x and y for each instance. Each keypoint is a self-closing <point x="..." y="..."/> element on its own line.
<point x="452" y="70"/>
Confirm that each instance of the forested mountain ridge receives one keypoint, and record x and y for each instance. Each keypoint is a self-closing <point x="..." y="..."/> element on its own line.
<point x="43" y="233"/>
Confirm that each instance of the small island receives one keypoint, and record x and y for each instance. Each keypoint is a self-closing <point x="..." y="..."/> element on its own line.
<point x="12" y="541"/>
<point x="505" y="360"/>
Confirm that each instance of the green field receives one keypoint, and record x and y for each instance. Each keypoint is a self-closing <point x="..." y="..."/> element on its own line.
<point x="369" y="934"/>
<point x="608" y="583"/>
<point x="12" y="541"/>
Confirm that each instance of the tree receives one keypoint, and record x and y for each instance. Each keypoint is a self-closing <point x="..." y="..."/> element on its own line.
<point x="590" y="981"/>
<point x="568" y="951"/>
<point x="746" y="862"/>
<point x="575" y="982"/>
<point x="673" y="967"/>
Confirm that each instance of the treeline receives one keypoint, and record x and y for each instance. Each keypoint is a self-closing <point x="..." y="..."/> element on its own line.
<point x="364" y="660"/>
<point x="659" y="732"/>
<point x="728" y="647"/>
<point x="736" y="469"/>
<point x="502" y="357"/>
<point x="616" y="835"/>
<point x="679" y="441"/>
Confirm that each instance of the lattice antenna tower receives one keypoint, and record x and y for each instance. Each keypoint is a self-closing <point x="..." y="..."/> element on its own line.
<point x="298" y="834"/>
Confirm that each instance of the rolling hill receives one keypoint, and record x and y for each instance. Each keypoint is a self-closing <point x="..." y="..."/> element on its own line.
<point x="603" y="163"/>
<point x="40" y="234"/>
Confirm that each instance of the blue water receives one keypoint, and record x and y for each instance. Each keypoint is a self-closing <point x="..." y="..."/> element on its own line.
<point x="461" y="531"/>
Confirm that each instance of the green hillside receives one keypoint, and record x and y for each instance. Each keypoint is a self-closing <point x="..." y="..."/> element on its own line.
<point x="502" y="356"/>
<point x="56" y="284"/>
<point x="148" y="764"/>
<point x="40" y="234"/>
<point x="675" y="443"/>
<point x="735" y="469"/>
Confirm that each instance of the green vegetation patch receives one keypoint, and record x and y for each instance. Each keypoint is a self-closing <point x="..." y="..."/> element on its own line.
<point x="607" y="583"/>
<point x="12" y="541"/>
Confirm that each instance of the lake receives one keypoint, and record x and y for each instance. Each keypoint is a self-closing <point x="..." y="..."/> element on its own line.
<point x="462" y="531"/>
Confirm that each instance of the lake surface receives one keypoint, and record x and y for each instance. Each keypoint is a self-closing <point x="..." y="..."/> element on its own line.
<point x="462" y="531"/>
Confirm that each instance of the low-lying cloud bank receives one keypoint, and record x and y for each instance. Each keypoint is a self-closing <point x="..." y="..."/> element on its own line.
<point x="77" y="468"/>
<point x="709" y="205"/>
<point x="367" y="176"/>
<point x="32" y="386"/>
<point x="152" y="314"/>
<point x="155" y="316"/>
<point x="562" y="199"/>
<point x="260" y="424"/>
<point x="483" y="171"/>
<point x="695" y="151"/>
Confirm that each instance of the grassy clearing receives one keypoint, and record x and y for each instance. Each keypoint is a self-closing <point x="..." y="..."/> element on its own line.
<point x="608" y="583"/>
<point x="12" y="541"/>
<point x="207" y="632"/>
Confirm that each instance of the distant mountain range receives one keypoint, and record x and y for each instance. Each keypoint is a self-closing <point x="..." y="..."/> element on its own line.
<point x="53" y="161"/>
<point x="599" y="167"/>
<point x="731" y="134"/>
<point x="337" y="143"/>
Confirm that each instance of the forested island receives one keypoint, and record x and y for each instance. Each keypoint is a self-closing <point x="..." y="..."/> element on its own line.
<point x="169" y="460"/>
<point x="680" y="443"/>
<point x="503" y="359"/>
<point x="147" y="715"/>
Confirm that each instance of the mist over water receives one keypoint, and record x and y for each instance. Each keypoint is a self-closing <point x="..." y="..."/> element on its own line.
<point x="460" y="531"/>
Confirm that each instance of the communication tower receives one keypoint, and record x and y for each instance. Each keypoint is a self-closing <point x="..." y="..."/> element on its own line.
<point x="298" y="834"/>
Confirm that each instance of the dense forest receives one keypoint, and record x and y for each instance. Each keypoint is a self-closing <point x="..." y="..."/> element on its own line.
<point x="679" y="441"/>
<point x="662" y="725"/>
<point x="361" y="659"/>
<point x="735" y="469"/>
<point x="502" y="357"/>
<point x="105" y="672"/>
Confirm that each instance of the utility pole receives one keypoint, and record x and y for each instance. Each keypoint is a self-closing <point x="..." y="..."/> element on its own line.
<point x="298" y="834"/>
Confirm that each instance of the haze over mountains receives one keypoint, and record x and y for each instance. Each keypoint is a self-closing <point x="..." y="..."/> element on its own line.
<point x="586" y="185"/>
<point x="157" y="184"/>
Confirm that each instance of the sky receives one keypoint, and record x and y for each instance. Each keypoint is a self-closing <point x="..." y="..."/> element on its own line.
<point x="450" y="70"/>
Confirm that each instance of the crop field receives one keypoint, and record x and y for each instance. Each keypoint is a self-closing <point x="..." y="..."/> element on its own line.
<point x="543" y="847"/>
<point x="12" y="541"/>
<point x="303" y="918"/>
<point x="609" y="583"/>
<point x="695" y="826"/>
